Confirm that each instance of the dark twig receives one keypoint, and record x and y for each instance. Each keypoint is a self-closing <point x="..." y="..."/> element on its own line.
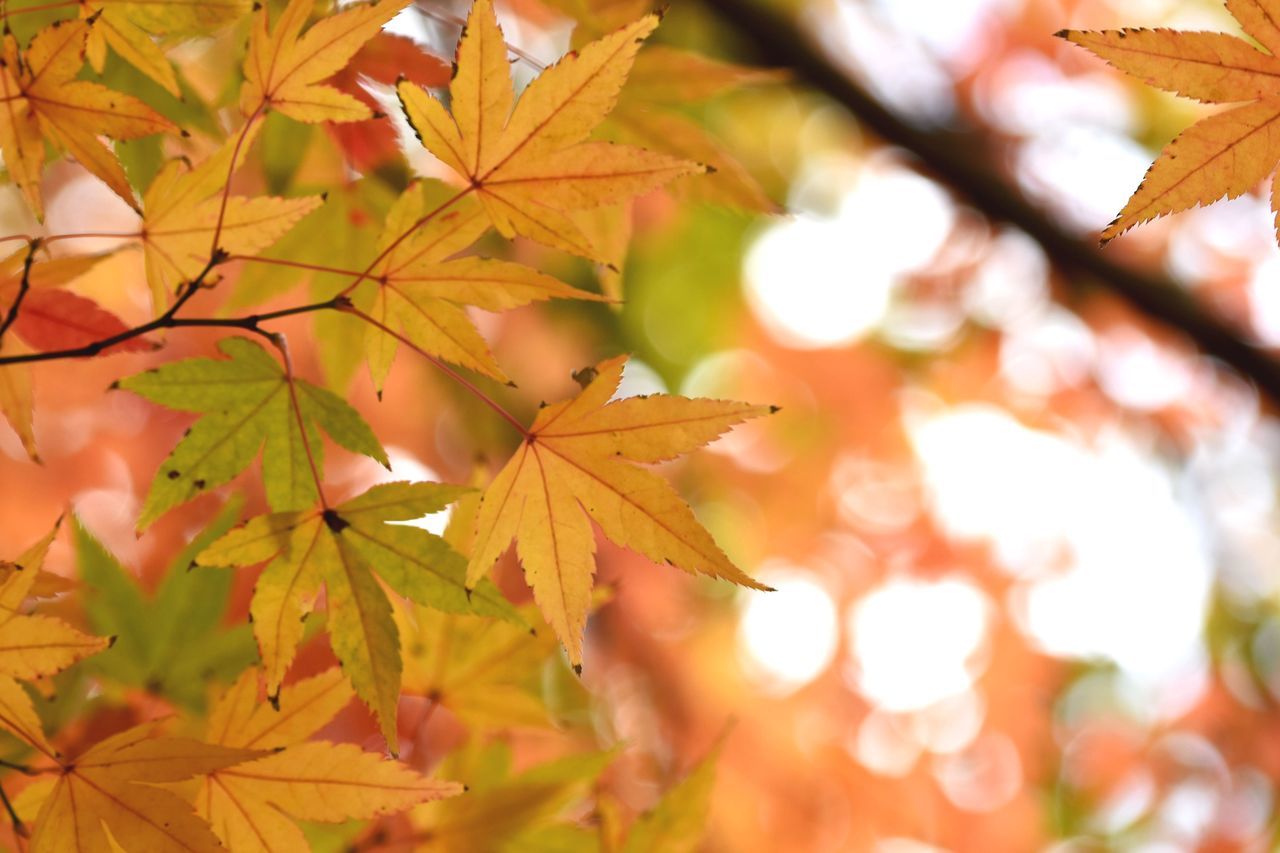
<point x="169" y="320"/>
<point x="964" y="163"/>
<point x="19" y="828"/>
<point x="23" y="286"/>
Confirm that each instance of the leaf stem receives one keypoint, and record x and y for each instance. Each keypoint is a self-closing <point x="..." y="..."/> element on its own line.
<point x="231" y="170"/>
<point x="302" y="265"/>
<point x="19" y="828"/>
<point x="93" y="235"/>
<point x="282" y="344"/>
<point x="427" y="217"/>
<point x="493" y="404"/>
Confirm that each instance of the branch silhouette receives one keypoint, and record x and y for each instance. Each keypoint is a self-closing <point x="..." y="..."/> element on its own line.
<point x="963" y="162"/>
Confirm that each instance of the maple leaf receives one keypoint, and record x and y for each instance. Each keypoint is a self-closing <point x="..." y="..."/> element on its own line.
<point x="385" y="59"/>
<point x="247" y="401"/>
<point x="172" y="642"/>
<point x="573" y="468"/>
<point x="346" y="548"/>
<point x="487" y="672"/>
<point x="678" y="823"/>
<point x="128" y="29"/>
<point x="500" y="805"/>
<point x="416" y="291"/>
<point x="43" y="100"/>
<point x="283" y="71"/>
<point x="1226" y="154"/>
<point x="17" y="400"/>
<point x="32" y="646"/>
<point x="52" y="319"/>
<point x="183" y="208"/>
<point x="47" y="319"/>
<point x="110" y="787"/>
<point x="530" y="165"/>
<point x="252" y="806"/>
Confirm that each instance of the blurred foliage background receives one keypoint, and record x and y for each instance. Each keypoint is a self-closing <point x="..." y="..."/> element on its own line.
<point x="1024" y="535"/>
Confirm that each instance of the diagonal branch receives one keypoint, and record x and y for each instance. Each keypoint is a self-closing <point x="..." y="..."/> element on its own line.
<point x="23" y="286"/>
<point x="960" y="162"/>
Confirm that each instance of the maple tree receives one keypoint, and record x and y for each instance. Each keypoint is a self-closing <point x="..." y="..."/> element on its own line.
<point x="227" y="216"/>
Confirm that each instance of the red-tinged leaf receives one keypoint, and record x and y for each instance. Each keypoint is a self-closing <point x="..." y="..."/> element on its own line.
<point x="57" y="319"/>
<point x="385" y="59"/>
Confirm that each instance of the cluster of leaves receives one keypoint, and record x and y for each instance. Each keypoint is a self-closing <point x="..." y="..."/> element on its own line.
<point x="406" y="612"/>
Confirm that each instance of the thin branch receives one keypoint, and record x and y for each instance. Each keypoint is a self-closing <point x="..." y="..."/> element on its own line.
<point x="24" y="285"/>
<point x="775" y="40"/>
<point x="493" y="404"/>
<point x="250" y="323"/>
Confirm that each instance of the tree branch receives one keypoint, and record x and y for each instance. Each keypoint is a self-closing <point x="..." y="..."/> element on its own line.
<point x="23" y="286"/>
<point x="249" y="323"/>
<point x="774" y="40"/>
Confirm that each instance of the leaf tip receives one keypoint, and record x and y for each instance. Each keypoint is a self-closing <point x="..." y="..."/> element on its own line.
<point x="773" y="410"/>
<point x="577" y="669"/>
<point x="111" y="641"/>
<point x="274" y="699"/>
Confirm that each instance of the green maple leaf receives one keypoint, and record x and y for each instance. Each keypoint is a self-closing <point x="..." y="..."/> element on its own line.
<point x="171" y="642"/>
<point x="248" y="402"/>
<point x="346" y="549"/>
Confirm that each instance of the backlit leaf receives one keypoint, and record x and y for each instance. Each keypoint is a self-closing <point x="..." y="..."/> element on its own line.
<point x="574" y="468"/>
<point x="346" y="549"/>
<point x="45" y="101"/>
<point x="530" y="165"/>
<point x="249" y="403"/>
<point x="284" y="68"/>
<point x="1224" y="155"/>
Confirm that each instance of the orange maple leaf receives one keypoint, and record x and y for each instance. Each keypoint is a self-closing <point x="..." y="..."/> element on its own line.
<point x="385" y="59"/>
<point x="1226" y="154"/>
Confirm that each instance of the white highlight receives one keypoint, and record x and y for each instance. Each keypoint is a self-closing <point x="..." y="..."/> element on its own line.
<point x="916" y="642"/>
<point x="788" y="637"/>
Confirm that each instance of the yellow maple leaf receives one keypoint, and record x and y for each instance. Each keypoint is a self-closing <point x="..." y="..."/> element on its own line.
<point x="530" y="165"/>
<point x="487" y="672"/>
<point x="182" y="209"/>
<point x="574" y="468"/>
<point x="416" y="290"/>
<point x="43" y="100"/>
<point x="345" y="549"/>
<point x="252" y="806"/>
<point x="111" y="786"/>
<point x="1226" y="154"/>
<point x="33" y="646"/>
<point x="284" y="69"/>
<point x="17" y="400"/>
<point x="129" y="28"/>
